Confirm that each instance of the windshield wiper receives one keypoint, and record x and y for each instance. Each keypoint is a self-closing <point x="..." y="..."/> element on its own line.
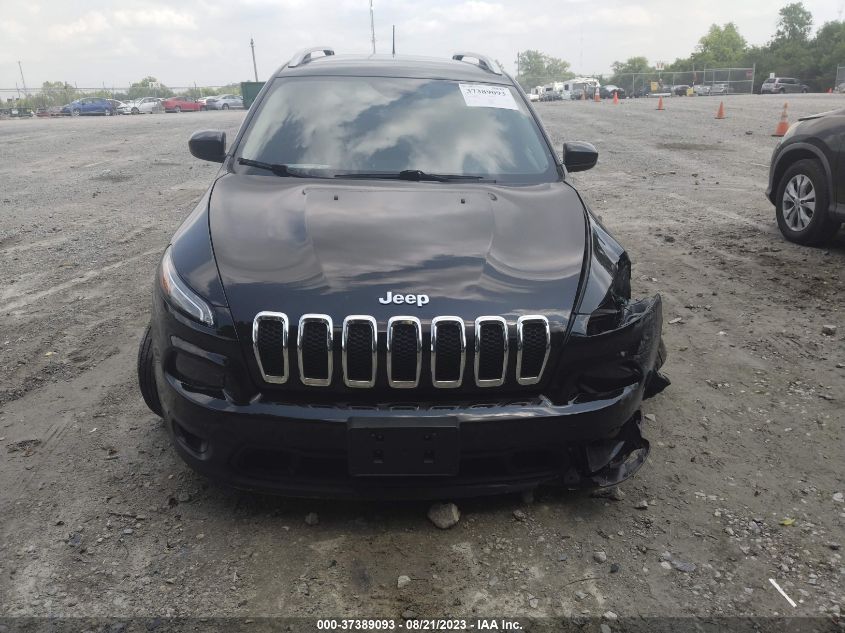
<point x="277" y="168"/>
<point x="411" y="174"/>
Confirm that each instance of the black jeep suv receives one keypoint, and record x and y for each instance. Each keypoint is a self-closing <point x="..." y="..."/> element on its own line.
<point x="392" y="289"/>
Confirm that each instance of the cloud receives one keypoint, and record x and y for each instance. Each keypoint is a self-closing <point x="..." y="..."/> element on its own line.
<point x="631" y="15"/>
<point x="89" y="24"/>
<point x="160" y="18"/>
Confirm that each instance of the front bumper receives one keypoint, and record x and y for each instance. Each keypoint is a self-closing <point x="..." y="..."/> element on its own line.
<point x="298" y="449"/>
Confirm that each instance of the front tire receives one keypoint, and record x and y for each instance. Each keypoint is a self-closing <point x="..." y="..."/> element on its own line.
<point x="136" y="111"/>
<point x="146" y="373"/>
<point x="802" y="202"/>
<point x="75" y="112"/>
<point x="177" y="109"/>
<point x="225" y="106"/>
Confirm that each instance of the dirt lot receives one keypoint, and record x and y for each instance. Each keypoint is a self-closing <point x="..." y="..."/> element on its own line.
<point x="745" y="480"/>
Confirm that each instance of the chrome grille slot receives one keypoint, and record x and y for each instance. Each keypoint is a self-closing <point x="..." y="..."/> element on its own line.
<point x="314" y="346"/>
<point x="448" y="351"/>
<point x="491" y="351"/>
<point x="533" y="342"/>
<point x="270" y="346"/>
<point x="359" y="344"/>
<point x="404" y="351"/>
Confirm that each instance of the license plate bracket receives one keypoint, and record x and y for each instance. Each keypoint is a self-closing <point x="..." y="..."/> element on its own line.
<point x="403" y="447"/>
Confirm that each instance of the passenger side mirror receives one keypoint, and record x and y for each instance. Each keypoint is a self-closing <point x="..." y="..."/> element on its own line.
<point x="579" y="156"/>
<point x="208" y="145"/>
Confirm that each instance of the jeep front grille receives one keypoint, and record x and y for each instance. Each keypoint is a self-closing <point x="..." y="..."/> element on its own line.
<point x="270" y="344"/>
<point x="359" y="349"/>
<point x="448" y="351"/>
<point x="533" y="342"/>
<point x="403" y="351"/>
<point x="491" y="351"/>
<point x="314" y="348"/>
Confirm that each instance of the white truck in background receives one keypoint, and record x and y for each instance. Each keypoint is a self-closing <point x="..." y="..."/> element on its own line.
<point x="573" y="88"/>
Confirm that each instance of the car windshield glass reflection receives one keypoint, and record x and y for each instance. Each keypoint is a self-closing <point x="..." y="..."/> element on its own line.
<point x="372" y="125"/>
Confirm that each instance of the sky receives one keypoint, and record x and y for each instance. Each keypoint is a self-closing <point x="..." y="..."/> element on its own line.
<point x="96" y="43"/>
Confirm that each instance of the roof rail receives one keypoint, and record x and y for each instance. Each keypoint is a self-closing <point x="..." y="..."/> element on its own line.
<point x="484" y="62"/>
<point x="304" y="56"/>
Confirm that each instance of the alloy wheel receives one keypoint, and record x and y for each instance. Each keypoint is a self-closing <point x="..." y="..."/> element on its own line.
<point x="799" y="202"/>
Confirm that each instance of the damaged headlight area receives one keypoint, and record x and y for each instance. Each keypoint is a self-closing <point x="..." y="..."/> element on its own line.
<point x="614" y="343"/>
<point x="180" y="296"/>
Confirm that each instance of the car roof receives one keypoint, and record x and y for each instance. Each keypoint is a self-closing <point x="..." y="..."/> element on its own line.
<point x="390" y="66"/>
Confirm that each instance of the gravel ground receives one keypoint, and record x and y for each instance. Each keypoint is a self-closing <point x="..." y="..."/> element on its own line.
<point x="745" y="480"/>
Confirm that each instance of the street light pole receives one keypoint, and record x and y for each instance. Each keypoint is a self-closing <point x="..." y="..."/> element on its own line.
<point x="372" y="27"/>
<point x="254" y="67"/>
<point x="23" y="81"/>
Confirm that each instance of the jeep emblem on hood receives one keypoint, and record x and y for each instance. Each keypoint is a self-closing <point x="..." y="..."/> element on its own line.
<point x="420" y="300"/>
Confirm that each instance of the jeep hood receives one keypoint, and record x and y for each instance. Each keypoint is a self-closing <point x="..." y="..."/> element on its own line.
<point x="299" y="246"/>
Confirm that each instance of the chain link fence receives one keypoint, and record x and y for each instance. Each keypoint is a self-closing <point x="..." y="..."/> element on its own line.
<point x="705" y="82"/>
<point x="59" y="95"/>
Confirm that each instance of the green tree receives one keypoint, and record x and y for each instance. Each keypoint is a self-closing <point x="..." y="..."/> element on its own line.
<point x="53" y="93"/>
<point x="828" y="53"/>
<point x="795" y="22"/>
<point x="623" y="73"/>
<point x="536" y="69"/>
<point x="721" y="46"/>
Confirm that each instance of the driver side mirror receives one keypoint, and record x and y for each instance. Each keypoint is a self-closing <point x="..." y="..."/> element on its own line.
<point x="579" y="156"/>
<point x="208" y="145"/>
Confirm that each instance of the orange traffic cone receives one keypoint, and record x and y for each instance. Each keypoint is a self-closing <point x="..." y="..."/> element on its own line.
<point x="597" y="95"/>
<point x="660" y="104"/>
<point x="783" y="124"/>
<point x="616" y="98"/>
<point x="721" y="113"/>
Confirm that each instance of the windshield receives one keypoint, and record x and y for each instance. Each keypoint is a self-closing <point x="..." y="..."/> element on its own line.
<point x="334" y="126"/>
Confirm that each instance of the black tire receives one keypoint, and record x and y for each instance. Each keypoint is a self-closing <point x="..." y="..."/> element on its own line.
<point x="821" y="226"/>
<point x="225" y="106"/>
<point x="75" y="112"/>
<point x="136" y="111"/>
<point x="146" y="373"/>
<point x="804" y="91"/>
<point x="177" y="110"/>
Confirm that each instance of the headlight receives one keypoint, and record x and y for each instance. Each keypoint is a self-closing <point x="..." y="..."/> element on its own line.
<point x="182" y="297"/>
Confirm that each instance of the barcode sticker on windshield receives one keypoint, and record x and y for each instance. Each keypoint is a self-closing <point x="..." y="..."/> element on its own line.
<point x="484" y="96"/>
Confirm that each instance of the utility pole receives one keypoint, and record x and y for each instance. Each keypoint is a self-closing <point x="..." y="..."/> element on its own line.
<point x="517" y="64"/>
<point x="372" y="27"/>
<point x="23" y="81"/>
<point x="394" y="40"/>
<point x="254" y="67"/>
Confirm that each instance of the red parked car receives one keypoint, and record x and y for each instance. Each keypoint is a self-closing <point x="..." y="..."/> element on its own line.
<point x="182" y="104"/>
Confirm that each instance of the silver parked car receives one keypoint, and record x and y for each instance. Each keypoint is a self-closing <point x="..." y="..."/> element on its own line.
<point x="225" y="102"/>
